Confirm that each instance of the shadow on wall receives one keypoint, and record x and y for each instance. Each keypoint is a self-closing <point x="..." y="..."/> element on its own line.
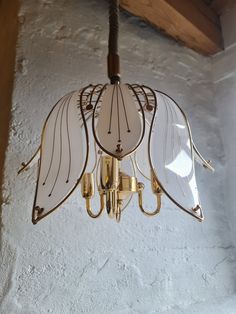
<point x="8" y="36"/>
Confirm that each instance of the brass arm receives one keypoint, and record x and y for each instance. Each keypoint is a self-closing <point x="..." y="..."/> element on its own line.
<point x="89" y="209"/>
<point x="87" y="189"/>
<point x="140" y="201"/>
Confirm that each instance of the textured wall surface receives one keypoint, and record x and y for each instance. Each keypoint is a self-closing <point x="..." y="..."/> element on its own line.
<point x="224" y="75"/>
<point x="69" y="263"/>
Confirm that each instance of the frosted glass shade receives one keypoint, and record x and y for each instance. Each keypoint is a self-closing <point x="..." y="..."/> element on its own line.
<point x="171" y="155"/>
<point x="120" y="126"/>
<point x="63" y="154"/>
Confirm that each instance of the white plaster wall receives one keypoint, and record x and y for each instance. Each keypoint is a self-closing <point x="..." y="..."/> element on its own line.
<point x="69" y="263"/>
<point x="228" y="25"/>
<point x="224" y="76"/>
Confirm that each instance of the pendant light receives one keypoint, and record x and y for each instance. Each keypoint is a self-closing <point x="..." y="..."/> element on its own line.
<point x="130" y="134"/>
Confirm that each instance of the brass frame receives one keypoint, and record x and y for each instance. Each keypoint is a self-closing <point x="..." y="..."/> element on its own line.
<point x="205" y="163"/>
<point x="26" y="165"/>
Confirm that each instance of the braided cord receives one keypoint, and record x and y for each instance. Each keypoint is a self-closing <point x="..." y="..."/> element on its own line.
<point x="113" y="57"/>
<point x="114" y="26"/>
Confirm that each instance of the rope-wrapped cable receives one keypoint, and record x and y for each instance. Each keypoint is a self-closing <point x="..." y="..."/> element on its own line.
<point x="113" y="57"/>
<point x="113" y="26"/>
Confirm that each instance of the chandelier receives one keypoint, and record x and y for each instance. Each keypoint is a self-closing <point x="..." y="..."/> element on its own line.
<point x="116" y="140"/>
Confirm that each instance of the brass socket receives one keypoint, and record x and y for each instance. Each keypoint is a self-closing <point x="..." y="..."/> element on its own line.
<point x="111" y="203"/>
<point x="87" y="185"/>
<point x="109" y="176"/>
<point x="127" y="186"/>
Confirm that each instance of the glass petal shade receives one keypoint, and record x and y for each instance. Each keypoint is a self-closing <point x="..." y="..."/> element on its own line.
<point x="119" y="128"/>
<point x="171" y="155"/>
<point x="63" y="155"/>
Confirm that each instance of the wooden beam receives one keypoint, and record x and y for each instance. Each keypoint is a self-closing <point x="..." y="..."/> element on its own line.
<point x="8" y="37"/>
<point x="208" y="2"/>
<point x="189" y="21"/>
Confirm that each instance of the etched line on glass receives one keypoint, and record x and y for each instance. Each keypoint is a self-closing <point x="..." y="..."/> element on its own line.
<point x="54" y="136"/>
<point x="60" y="155"/>
<point x="123" y="102"/>
<point x="112" y="97"/>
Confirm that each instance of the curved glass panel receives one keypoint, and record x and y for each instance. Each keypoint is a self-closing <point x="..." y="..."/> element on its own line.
<point x="119" y="127"/>
<point x="171" y="155"/>
<point x="63" y="155"/>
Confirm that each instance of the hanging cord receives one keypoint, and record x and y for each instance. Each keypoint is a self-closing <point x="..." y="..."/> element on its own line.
<point x="113" y="26"/>
<point x="113" y="61"/>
